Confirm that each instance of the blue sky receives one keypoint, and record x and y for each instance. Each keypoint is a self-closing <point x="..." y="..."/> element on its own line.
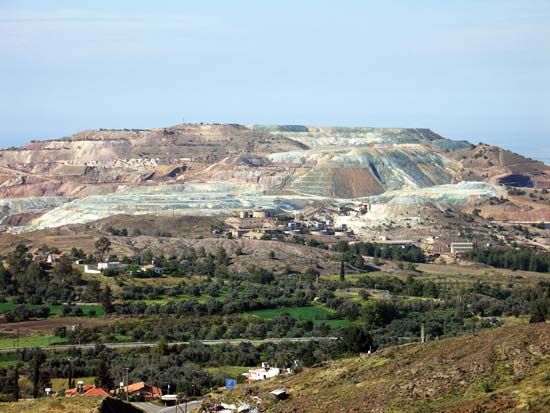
<point x="476" y="70"/>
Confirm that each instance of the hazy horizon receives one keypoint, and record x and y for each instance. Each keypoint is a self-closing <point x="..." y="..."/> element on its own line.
<point x="473" y="71"/>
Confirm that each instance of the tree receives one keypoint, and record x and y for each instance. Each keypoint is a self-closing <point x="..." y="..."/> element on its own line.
<point x="44" y="380"/>
<point x="70" y="383"/>
<point x="103" y="377"/>
<point x="221" y="257"/>
<point x="31" y="279"/>
<point x="38" y="358"/>
<point x="311" y="274"/>
<point x="6" y="282"/>
<point x="102" y="247"/>
<point x="64" y="274"/>
<point x="77" y="254"/>
<point x="356" y="340"/>
<point x="342" y="271"/>
<point x="271" y="255"/>
<point x="162" y="346"/>
<point x="92" y="294"/>
<point x="13" y="383"/>
<point x="539" y="311"/>
<point x="107" y="299"/>
<point x="19" y="260"/>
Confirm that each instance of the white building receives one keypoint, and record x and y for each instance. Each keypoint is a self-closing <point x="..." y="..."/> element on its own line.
<point x="458" y="248"/>
<point x="263" y="373"/>
<point x="91" y="270"/>
<point x="108" y="265"/>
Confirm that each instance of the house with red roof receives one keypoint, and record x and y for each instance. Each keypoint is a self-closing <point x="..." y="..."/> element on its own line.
<point x="142" y="391"/>
<point x="87" y="390"/>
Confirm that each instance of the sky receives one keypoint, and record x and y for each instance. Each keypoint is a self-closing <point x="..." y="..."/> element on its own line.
<point x="476" y="70"/>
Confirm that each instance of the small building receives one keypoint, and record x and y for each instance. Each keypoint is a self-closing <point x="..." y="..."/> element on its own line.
<point x="396" y="242"/>
<point x="88" y="269"/>
<point x="263" y="373"/>
<point x="142" y="391"/>
<point x="53" y="258"/>
<point x="460" y="248"/>
<point x="245" y="214"/>
<point x="279" y="394"/>
<point x="318" y="225"/>
<point x="239" y="232"/>
<point x="108" y="265"/>
<point x="293" y="225"/>
<point x="152" y="267"/>
<point x="87" y="390"/>
<point x="263" y="213"/>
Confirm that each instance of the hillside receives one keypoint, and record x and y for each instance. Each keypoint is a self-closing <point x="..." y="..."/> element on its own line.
<point x="216" y="169"/>
<point x="498" y="370"/>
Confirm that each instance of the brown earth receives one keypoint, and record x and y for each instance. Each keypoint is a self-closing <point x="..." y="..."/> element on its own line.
<point x="49" y="324"/>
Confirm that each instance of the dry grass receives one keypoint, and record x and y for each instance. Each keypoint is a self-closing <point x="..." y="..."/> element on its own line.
<point x="59" y="404"/>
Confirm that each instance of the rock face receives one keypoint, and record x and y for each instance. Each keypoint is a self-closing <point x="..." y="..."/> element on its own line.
<point x="213" y="169"/>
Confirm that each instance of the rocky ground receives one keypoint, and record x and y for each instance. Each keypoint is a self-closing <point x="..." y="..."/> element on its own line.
<point x="216" y="169"/>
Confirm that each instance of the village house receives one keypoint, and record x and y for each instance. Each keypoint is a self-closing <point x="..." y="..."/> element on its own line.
<point x="152" y="267"/>
<point x="53" y="258"/>
<point x="88" y="269"/>
<point x="109" y="265"/>
<point x="141" y="391"/>
<point x="87" y="390"/>
<point x="262" y="373"/>
<point x="293" y="225"/>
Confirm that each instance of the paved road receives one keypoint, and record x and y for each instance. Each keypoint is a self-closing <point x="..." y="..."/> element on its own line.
<point x="180" y="408"/>
<point x="139" y="344"/>
<point x="148" y="407"/>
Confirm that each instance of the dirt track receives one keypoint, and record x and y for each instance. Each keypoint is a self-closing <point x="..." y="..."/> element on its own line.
<point x="51" y="323"/>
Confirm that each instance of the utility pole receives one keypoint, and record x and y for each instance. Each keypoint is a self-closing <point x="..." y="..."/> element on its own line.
<point x="422" y="334"/>
<point x="127" y="383"/>
<point x="70" y="381"/>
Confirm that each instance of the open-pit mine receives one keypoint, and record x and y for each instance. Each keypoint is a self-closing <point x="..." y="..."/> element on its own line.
<point x="215" y="169"/>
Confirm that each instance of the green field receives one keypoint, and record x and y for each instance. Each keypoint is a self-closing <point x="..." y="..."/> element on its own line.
<point x="7" y="360"/>
<point x="30" y="341"/>
<point x="228" y="371"/>
<point x="315" y="313"/>
<point x="55" y="310"/>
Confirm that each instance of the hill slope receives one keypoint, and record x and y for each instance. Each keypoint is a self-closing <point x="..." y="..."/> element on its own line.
<point x="505" y="369"/>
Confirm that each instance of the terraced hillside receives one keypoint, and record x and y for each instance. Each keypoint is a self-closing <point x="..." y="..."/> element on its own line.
<point x="216" y="169"/>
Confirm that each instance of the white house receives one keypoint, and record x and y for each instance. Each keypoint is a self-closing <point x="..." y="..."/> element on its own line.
<point x="108" y="265"/>
<point x="263" y="373"/>
<point x="91" y="270"/>
<point x="152" y="267"/>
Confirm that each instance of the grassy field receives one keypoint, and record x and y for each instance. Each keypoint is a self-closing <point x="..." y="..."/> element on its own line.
<point x="231" y="372"/>
<point x="315" y="313"/>
<point x="30" y="341"/>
